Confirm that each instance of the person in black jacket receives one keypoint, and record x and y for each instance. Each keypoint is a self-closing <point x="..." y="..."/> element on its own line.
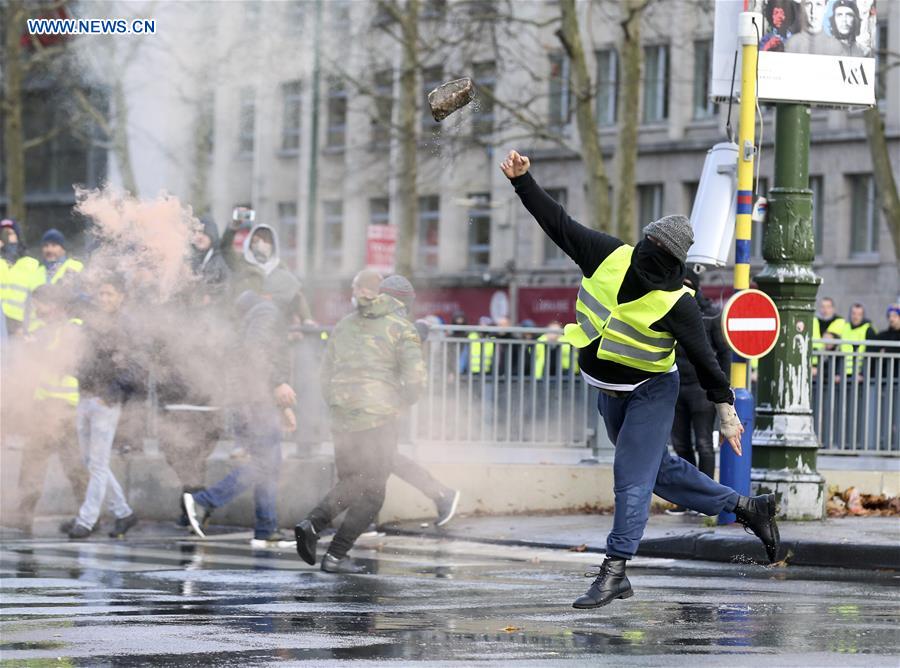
<point x="693" y="410"/>
<point x="632" y="308"/>
<point x="264" y="396"/>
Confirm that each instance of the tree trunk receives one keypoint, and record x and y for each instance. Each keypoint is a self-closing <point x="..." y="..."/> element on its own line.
<point x="629" y="93"/>
<point x="884" y="175"/>
<point x="120" y="137"/>
<point x="13" y="133"/>
<point x="408" y="140"/>
<point x="596" y="180"/>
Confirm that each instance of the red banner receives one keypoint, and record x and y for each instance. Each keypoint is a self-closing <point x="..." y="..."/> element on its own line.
<point x="381" y="248"/>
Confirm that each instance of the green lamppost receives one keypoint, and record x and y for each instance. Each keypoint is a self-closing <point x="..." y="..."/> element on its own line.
<point x="784" y="440"/>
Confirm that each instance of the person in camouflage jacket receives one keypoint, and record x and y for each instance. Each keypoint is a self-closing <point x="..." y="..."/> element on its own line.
<point x="373" y="368"/>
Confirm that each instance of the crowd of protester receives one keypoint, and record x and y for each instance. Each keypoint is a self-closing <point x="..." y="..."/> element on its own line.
<point x="80" y="343"/>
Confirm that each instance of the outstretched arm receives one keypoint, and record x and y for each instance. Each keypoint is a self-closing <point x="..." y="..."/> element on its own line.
<point x="587" y="247"/>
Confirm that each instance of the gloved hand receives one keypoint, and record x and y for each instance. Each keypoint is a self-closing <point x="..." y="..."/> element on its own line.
<point x="423" y="328"/>
<point x="730" y="427"/>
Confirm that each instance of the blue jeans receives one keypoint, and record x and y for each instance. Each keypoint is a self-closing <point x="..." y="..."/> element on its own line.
<point x="96" y="424"/>
<point x="639" y="424"/>
<point x="258" y="430"/>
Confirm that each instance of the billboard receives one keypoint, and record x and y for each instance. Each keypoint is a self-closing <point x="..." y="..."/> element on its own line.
<point x="810" y="51"/>
<point x="381" y="248"/>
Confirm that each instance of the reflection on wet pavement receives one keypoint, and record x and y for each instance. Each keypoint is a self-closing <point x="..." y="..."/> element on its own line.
<point x="166" y="600"/>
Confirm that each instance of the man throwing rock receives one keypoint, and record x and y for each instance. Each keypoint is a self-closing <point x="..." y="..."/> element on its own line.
<point x="632" y="309"/>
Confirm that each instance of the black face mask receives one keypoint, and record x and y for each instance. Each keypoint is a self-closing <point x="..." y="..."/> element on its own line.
<point x="657" y="267"/>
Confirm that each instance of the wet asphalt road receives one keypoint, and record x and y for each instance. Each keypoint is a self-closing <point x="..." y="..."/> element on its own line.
<point x="160" y="599"/>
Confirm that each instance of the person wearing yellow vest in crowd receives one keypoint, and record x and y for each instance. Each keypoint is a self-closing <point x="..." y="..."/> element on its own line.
<point x="855" y="328"/>
<point x="481" y="353"/>
<point x="51" y="353"/>
<point x="826" y="325"/>
<point x="55" y="264"/>
<point x="632" y="309"/>
<point x="19" y="275"/>
<point x="560" y="358"/>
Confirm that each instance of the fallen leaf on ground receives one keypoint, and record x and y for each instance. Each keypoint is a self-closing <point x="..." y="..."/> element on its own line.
<point x="511" y="629"/>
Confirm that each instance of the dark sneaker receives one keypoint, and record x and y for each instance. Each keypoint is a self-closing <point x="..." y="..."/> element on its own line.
<point x="611" y="583"/>
<point x="122" y="525"/>
<point x="79" y="531"/>
<point x="193" y="510"/>
<point x="66" y="526"/>
<point x="757" y="514"/>
<point x="446" y="507"/>
<point x="333" y="564"/>
<point x="306" y="536"/>
<point x="677" y="510"/>
<point x="276" y="539"/>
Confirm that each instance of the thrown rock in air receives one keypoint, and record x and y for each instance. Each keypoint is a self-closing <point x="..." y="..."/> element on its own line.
<point x="448" y="97"/>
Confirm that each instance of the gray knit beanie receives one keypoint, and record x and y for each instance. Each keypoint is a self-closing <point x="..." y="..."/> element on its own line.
<point x="674" y="233"/>
<point x="399" y="287"/>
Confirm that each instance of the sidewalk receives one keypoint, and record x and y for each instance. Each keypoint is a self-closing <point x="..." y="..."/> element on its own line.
<point x="859" y="542"/>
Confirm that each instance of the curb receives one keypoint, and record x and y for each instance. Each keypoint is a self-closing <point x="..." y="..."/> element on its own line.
<point x="709" y="546"/>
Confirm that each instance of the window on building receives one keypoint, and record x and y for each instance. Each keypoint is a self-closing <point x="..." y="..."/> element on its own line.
<point x="863" y="216"/>
<point x="290" y="129"/>
<point x="881" y="61"/>
<point x="649" y="205"/>
<point x="480" y="230"/>
<point x="690" y="194"/>
<point x="252" y="15"/>
<point x="757" y="229"/>
<point x="656" y="83"/>
<point x="433" y="10"/>
<point x="560" y="90"/>
<point x="337" y="115"/>
<point x="817" y="185"/>
<point x="431" y="79"/>
<point x="379" y="211"/>
<point x="607" y="87"/>
<point x="246" y="121"/>
<point x="553" y="254"/>
<point x="384" y="107"/>
<point x="429" y="229"/>
<point x="703" y="106"/>
<point x="485" y="75"/>
<point x="333" y="239"/>
<point x="287" y="233"/>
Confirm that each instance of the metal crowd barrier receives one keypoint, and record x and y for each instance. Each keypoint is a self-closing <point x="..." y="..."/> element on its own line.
<point x="856" y="397"/>
<point x="488" y="390"/>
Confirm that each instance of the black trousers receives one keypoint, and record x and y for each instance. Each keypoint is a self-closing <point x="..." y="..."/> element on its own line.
<point x="414" y="474"/>
<point x="694" y="410"/>
<point x="364" y="460"/>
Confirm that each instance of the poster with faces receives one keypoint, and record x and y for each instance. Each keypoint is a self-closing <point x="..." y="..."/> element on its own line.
<point x="811" y="51"/>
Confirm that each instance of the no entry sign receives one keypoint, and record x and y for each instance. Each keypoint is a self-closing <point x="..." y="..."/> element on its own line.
<point x="751" y="323"/>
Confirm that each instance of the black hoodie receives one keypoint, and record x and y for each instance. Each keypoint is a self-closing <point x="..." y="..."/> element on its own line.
<point x="649" y="271"/>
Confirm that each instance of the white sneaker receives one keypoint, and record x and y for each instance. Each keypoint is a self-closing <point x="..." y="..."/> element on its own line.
<point x="190" y="509"/>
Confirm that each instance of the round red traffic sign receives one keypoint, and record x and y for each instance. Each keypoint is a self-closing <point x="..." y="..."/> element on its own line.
<point x="751" y="323"/>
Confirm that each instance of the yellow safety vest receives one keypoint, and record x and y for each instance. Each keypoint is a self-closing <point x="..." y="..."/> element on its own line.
<point x="71" y="264"/>
<point x="623" y="329"/>
<point x="835" y="327"/>
<point x="475" y="355"/>
<point x="852" y="333"/>
<point x="64" y="387"/>
<point x="18" y="281"/>
<point x="540" y="355"/>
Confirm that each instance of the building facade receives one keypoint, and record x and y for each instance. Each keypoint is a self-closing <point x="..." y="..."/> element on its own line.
<point x="305" y="131"/>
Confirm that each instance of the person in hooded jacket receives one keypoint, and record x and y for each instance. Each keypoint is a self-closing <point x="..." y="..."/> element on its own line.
<point x="19" y="275"/>
<point x="208" y="265"/>
<point x="631" y="310"/>
<point x="372" y="371"/>
<point x="444" y="498"/>
<point x="264" y="398"/>
<point x="694" y="412"/>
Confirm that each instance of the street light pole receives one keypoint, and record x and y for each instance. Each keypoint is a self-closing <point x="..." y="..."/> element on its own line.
<point x="785" y="444"/>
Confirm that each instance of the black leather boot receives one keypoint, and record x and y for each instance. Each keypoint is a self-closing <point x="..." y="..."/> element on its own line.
<point x="307" y="537"/>
<point x="611" y="583"/>
<point x="333" y="564"/>
<point x="757" y="514"/>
